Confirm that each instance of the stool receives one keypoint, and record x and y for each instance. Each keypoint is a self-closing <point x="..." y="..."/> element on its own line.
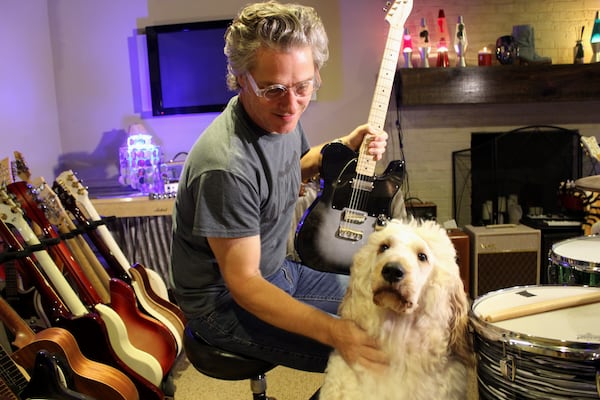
<point x="220" y="364"/>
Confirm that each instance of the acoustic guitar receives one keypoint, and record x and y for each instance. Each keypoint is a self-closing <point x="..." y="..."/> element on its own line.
<point x="45" y="382"/>
<point x="89" y="330"/>
<point x="353" y="201"/>
<point x="84" y="375"/>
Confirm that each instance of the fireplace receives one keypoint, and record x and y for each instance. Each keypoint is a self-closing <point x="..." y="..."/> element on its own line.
<point x="528" y="164"/>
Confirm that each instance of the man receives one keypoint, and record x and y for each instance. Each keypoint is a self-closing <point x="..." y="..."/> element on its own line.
<point x="236" y="199"/>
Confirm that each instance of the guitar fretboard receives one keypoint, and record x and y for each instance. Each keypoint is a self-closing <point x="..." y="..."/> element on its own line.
<point x="381" y="98"/>
<point x="12" y="380"/>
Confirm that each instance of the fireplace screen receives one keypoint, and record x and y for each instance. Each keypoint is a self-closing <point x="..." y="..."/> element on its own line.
<point x="526" y="165"/>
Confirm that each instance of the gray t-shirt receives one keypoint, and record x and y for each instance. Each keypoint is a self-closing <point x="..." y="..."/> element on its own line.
<point x="238" y="181"/>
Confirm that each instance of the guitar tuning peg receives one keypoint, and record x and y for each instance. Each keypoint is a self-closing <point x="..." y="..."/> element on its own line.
<point x="386" y="8"/>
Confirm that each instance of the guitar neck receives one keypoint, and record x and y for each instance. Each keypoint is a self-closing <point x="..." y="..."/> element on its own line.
<point x="381" y="99"/>
<point x="58" y="216"/>
<point x="29" y="269"/>
<point x="105" y="234"/>
<point x="15" y="218"/>
<point x="59" y="251"/>
<point x="76" y="200"/>
<point x="6" y="392"/>
<point x="12" y="380"/>
<point x="95" y="235"/>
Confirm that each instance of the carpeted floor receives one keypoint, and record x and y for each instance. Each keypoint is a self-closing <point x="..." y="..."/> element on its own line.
<point x="282" y="383"/>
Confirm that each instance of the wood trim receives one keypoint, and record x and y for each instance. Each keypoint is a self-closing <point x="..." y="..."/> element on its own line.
<point x="122" y="207"/>
<point x="498" y="84"/>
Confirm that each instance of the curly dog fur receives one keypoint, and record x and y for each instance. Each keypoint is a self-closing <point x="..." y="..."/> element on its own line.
<point x="405" y="289"/>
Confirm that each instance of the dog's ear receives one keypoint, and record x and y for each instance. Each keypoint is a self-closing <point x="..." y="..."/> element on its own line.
<point x="461" y="340"/>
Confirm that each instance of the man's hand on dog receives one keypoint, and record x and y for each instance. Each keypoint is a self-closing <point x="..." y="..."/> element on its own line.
<point x="356" y="346"/>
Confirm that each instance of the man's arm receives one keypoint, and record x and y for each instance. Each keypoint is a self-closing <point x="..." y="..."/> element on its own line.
<point x="238" y="259"/>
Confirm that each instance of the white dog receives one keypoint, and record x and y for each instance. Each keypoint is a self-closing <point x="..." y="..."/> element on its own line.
<point x="405" y="289"/>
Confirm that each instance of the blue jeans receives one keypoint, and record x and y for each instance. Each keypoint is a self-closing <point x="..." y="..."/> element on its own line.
<point x="233" y="329"/>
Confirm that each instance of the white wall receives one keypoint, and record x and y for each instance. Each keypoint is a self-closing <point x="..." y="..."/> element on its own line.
<point x="28" y="109"/>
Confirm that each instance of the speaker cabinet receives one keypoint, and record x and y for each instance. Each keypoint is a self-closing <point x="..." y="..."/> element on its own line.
<point x="503" y="257"/>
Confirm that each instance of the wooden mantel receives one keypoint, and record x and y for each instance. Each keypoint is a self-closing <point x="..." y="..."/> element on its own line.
<point x="498" y="84"/>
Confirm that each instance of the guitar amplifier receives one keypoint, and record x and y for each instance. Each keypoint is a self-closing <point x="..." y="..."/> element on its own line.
<point x="421" y="210"/>
<point x="460" y="240"/>
<point x="503" y="257"/>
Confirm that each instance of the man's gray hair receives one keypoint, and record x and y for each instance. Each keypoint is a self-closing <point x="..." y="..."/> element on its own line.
<point x="272" y="25"/>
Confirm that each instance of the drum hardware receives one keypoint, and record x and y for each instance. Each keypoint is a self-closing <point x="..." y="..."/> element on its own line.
<point x="507" y="365"/>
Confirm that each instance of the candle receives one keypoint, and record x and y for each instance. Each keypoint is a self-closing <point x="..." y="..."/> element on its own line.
<point x="484" y="57"/>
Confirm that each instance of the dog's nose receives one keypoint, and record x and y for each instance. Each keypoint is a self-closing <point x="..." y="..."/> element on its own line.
<point x="392" y="272"/>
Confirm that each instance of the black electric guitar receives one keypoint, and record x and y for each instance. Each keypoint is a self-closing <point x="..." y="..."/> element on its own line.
<point x="353" y="201"/>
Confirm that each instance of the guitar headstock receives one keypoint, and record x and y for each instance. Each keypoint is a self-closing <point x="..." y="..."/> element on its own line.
<point x="5" y="172"/>
<point x="55" y="212"/>
<point x="64" y="195"/>
<point x="398" y="12"/>
<point x="11" y="212"/>
<point x="68" y="181"/>
<point x="25" y="195"/>
<point x="20" y="168"/>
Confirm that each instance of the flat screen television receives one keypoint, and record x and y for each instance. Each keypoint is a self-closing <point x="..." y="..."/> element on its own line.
<point x="187" y="67"/>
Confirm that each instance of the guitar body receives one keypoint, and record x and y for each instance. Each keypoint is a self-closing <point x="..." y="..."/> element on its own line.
<point x="117" y="266"/>
<point x="328" y="236"/>
<point x="93" y="339"/>
<point x="87" y="376"/>
<point x="46" y="381"/>
<point x="169" y="313"/>
<point x="145" y="333"/>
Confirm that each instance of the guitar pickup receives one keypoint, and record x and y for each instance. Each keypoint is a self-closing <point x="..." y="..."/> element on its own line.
<point x="354" y="216"/>
<point x="366" y="185"/>
<point x="349" y="234"/>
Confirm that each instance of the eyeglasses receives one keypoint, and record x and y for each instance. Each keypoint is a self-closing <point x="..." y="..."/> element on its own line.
<point x="276" y="91"/>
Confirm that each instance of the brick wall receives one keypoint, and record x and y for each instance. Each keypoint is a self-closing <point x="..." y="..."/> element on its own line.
<point x="428" y="135"/>
<point x="557" y="24"/>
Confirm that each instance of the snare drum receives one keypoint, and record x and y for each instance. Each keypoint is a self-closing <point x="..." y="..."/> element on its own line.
<point x="550" y="355"/>
<point x="575" y="261"/>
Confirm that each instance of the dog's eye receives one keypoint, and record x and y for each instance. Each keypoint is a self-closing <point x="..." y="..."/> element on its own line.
<point x="422" y="257"/>
<point x="383" y="247"/>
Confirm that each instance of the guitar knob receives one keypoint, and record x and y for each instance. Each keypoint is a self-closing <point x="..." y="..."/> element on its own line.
<point x="381" y="222"/>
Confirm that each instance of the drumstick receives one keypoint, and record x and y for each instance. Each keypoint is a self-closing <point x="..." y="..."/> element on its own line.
<point x="543" y="306"/>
